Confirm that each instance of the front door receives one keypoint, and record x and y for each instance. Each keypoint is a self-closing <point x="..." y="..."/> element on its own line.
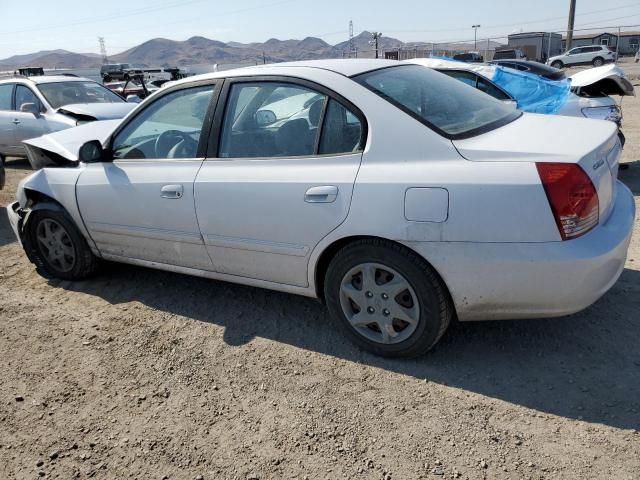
<point x="26" y="123"/>
<point x="141" y="204"/>
<point x="287" y="158"/>
<point x="6" y="119"/>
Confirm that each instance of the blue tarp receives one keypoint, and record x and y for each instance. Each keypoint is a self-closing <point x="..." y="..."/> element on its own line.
<point x="533" y="93"/>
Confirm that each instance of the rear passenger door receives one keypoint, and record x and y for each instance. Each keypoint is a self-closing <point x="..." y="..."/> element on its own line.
<point x="282" y="162"/>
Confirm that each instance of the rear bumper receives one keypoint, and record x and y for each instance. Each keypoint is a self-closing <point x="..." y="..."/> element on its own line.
<point x="494" y="281"/>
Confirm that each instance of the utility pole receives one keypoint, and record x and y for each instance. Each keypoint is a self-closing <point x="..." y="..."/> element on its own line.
<point x="103" y="51"/>
<point x="376" y="41"/>
<point x="475" y="36"/>
<point x="572" y="19"/>
<point x="351" y="46"/>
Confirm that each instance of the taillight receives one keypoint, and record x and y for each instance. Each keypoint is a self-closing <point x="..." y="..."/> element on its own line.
<point x="572" y="197"/>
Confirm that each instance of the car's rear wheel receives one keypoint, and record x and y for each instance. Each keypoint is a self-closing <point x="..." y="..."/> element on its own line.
<point x="388" y="299"/>
<point x="598" y="62"/>
<point x="57" y="248"/>
<point x="557" y="64"/>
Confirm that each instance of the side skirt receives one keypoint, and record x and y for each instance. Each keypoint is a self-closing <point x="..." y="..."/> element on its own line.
<point x="250" y="282"/>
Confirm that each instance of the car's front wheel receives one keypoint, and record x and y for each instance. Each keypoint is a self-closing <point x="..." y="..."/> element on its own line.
<point x="387" y="298"/>
<point x="598" y="62"/>
<point x="57" y="248"/>
<point x="557" y="64"/>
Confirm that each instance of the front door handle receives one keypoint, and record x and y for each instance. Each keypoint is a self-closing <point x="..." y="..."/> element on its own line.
<point x="172" y="191"/>
<point x="16" y="121"/>
<point x="324" y="194"/>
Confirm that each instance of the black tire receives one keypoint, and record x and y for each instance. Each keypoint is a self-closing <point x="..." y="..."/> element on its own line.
<point x="557" y="64"/>
<point x="431" y="293"/>
<point x="598" y="62"/>
<point x="85" y="263"/>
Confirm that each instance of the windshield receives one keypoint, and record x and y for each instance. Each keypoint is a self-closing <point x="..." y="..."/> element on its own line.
<point x="449" y="107"/>
<point x="60" y="94"/>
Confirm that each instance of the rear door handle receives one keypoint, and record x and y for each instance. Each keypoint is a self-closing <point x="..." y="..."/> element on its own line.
<point x="324" y="194"/>
<point x="172" y="191"/>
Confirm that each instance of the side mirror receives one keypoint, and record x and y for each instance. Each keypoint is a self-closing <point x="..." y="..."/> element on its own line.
<point x="265" y="118"/>
<point x="133" y="99"/>
<point x="91" y="152"/>
<point x="30" y="107"/>
<point x="511" y="103"/>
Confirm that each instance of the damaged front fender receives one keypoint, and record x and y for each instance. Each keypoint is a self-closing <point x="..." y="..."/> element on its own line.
<point x="60" y="149"/>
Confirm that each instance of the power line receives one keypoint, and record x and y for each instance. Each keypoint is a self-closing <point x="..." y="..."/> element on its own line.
<point x="143" y="11"/>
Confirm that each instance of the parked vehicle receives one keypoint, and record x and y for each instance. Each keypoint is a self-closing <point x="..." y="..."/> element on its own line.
<point x="31" y="107"/>
<point x="398" y="196"/>
<point x="2" y="172"/>
<point x="596" y="55"/>
<point x="471" y="57"/>
<point x="585" y="94"/>
<point x="536" y="68"/>
<point x="509" y="53"/>
<point x="111" y="72"/>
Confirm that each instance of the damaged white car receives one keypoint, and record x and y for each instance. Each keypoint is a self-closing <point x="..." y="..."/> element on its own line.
<point x="31" y="107"/>
<point x="395" y="194"/>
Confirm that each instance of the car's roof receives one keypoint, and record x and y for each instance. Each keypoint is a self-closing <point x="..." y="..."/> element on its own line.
<point x="347" y="67"/>
<point x="37" y="80"/>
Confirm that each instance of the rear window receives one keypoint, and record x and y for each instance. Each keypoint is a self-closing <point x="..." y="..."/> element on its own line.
<point x="449" y="107"/>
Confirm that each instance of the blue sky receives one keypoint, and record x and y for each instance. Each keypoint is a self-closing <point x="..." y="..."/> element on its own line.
<point x="75" y="24"/>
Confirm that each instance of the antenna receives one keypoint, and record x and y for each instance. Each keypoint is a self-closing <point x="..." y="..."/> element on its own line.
<point x="103" y="50"/>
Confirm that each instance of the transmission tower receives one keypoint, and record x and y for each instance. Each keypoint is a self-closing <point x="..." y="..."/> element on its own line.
<point x="351" y="46"/>
<point x="103" y="50"/>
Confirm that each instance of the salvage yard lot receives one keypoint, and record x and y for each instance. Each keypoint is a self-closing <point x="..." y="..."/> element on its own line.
<point x="145" y="374"/>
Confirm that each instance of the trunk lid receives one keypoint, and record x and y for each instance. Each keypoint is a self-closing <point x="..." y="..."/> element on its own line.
<point x="592" y="144"/>
<point x="599" y="81"/>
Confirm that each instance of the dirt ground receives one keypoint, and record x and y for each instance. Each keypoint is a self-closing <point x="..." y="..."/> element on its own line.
<point x="149" y="375"/>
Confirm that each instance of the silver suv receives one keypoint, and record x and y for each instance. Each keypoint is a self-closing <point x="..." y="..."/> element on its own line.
<point x="596" y="55"/>
<point x="31" y="107"/>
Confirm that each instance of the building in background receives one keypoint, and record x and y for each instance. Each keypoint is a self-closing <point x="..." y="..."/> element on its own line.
<point x="537" y="46"/>
<point x="629" y="41"/>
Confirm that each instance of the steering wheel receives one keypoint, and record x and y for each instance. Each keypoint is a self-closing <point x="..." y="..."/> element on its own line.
<point x="168" y="141"/>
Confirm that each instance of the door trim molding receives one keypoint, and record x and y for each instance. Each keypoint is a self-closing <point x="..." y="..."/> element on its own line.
<point x="255" y="245"/>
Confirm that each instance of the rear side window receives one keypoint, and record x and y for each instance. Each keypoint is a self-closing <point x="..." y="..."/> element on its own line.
<point x="6" y="90"/>
<point x="443" y="104"/>
<point x="279" y="119"/>
<point x="341" y="131"/>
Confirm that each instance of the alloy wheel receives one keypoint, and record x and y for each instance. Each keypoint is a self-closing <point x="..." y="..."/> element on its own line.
<point x="56" y="245"/>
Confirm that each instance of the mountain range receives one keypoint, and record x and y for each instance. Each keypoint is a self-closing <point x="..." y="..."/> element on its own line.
<point x="200" y="50"/>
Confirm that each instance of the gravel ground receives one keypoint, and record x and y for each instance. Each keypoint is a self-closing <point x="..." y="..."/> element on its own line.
<point x="151" y="375"/>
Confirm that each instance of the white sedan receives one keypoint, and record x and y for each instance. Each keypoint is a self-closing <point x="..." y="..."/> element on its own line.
<point x="400" y="197"/>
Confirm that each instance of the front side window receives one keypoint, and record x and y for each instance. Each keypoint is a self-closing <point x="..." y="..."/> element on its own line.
<point x="6" y="91"/>
<point x="447" y="106"/>
<point x="24" y="96"/>
<point x="170" y="127"/>
<point x="59" y="94"/>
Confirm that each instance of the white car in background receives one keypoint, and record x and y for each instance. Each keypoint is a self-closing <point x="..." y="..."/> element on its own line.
<point x="584" y="94"/>
<point x="31" y="107"/>
<point x="596" y="55"/>
<point x="397" y="195"/>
